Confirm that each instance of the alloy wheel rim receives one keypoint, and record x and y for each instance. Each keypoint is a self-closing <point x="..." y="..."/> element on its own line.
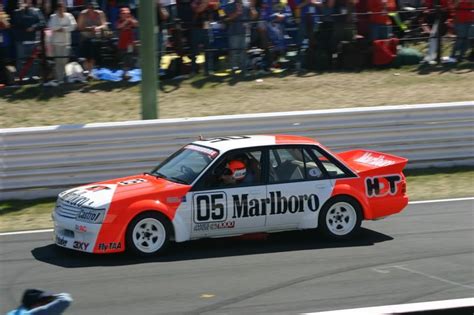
<point x="149" y="235"/>
<point x="341" y="218"/>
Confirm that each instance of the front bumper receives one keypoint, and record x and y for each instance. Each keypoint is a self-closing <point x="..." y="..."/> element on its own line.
<point x="72" y="234"/>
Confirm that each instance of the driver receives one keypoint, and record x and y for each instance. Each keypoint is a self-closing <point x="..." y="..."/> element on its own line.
<point x="235" y="173"/>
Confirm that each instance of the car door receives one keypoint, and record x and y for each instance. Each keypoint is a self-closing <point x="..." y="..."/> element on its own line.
<point x="220" y="209"/>
<point x="298" y="184"/>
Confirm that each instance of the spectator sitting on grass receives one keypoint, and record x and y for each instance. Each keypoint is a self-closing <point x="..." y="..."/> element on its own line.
<point x="91" y="24"/>
<point x="62" y="24"/>
<point x="126" y="25"/>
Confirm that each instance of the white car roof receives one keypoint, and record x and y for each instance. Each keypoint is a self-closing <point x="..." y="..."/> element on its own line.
<point x="227" y="143"/>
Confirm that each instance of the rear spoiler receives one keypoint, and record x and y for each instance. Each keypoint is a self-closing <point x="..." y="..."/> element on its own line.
<point x="366" y="162"/>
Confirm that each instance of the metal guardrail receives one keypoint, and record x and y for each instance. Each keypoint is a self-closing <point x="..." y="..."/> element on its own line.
<point x="41" y="161"/>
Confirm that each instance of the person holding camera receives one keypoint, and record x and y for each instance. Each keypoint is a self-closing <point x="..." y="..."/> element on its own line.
<point x="126" y="43"/>
<point x="39" y="302"/>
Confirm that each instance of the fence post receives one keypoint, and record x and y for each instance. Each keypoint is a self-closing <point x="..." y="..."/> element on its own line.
<point x="147" y="20"/>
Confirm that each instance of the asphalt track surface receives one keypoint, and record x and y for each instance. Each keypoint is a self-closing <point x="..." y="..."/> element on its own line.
<point x="424" y="254"/>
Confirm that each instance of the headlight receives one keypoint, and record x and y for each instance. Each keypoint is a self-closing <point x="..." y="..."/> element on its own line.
<point x="91" y="216"/>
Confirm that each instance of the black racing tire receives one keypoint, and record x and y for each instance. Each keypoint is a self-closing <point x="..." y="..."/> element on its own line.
<point x="148" y="234"/>
<point x="340" y="218"/>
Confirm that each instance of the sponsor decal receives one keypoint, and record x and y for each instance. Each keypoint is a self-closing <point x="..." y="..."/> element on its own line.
<point x="133" y="181"/>
<point x="75" y="198"/>
<point x="220" y="139"/>
<point x="61" y="241"/>
<point x="80" y="245"/>
<point x="212" y="153"/>
<point x="98" y="188"/>
<point x="109" y="246"/>
<point x="380" y="186"/>
<point x="90" y="215"/>
<point x="370" y="159"/>
<point x="214" y="226"/>
<point x="314" y="172"/>
<point x="212" y="207"/>
<point x="276" y="204"/>
<point x="81" y="228"/>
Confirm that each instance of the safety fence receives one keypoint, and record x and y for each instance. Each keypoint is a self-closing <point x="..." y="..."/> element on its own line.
<point x="41" y="161"/>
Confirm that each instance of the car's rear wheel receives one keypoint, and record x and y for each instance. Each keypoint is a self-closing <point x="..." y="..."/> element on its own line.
<point x="340" y="218"/>
<point x="148" y="234"/>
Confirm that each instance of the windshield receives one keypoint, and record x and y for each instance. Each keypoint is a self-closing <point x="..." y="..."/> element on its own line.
<point x="186" y="164"/>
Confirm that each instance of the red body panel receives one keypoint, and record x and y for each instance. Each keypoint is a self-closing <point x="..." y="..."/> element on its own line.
<point x="130" y="200"/>
<point x="381" y="185"/>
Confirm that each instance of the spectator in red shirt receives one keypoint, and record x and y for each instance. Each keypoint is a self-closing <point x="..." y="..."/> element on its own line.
<point x="126" y="25"/>
<point x="463" y="25"/>
<point x="380" y="23"/>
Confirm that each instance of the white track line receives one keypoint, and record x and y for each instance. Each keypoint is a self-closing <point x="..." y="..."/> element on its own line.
<point x="402" y="308"/>
<point x="411" y="203"/>
<point x="440" y="200"/>
<point x="26" y="232"/>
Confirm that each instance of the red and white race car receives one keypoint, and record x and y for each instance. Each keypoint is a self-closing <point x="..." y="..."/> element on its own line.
<point x="232" y="186"/>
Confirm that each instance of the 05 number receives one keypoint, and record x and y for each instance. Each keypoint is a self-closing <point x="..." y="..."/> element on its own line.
<point x="210" y="208"/>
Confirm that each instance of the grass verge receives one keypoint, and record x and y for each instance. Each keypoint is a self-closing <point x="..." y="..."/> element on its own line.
<point x="422" y="185"/>
<point x="224" y="95"/>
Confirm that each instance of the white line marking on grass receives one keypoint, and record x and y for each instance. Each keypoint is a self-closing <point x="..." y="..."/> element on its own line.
<point x="402" y="308"/>
<point x="411" y="203"/>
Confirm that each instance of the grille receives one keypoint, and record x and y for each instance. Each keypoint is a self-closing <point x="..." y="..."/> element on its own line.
<point x="66" y="210"/>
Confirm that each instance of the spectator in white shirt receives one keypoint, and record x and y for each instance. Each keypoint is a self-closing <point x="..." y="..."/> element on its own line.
<point x="61" y="24"/>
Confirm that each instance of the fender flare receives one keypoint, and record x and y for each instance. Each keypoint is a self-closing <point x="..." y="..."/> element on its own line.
<point x="349" y="191"/>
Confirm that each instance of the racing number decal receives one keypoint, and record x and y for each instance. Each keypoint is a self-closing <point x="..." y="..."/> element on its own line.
<point x="210" y="207"/>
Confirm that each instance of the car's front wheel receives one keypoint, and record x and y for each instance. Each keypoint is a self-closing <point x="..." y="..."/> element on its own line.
<point x="148" y="234"/>
<point x="340" y="218"/>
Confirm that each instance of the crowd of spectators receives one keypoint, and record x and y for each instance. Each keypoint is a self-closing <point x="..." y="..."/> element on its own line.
<point x="253" y="34"/>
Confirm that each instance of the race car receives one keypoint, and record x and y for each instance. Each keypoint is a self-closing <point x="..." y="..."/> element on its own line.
<point x="231" y="186"/>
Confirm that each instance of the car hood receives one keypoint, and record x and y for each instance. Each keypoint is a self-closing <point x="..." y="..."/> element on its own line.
<point x="99" y="195"/>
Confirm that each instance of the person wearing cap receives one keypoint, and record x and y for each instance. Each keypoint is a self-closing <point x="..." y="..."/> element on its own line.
<point x="91" y="23"/>
<point x="126" y="25"/>
<point x="39" y="302"/>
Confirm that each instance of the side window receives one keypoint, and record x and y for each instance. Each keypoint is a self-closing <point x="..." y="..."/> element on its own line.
<point x="333" y="170"/>
<point x="235" y="169"/>
<point x="313" y="168"/>
<point x="286" y="165"/>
